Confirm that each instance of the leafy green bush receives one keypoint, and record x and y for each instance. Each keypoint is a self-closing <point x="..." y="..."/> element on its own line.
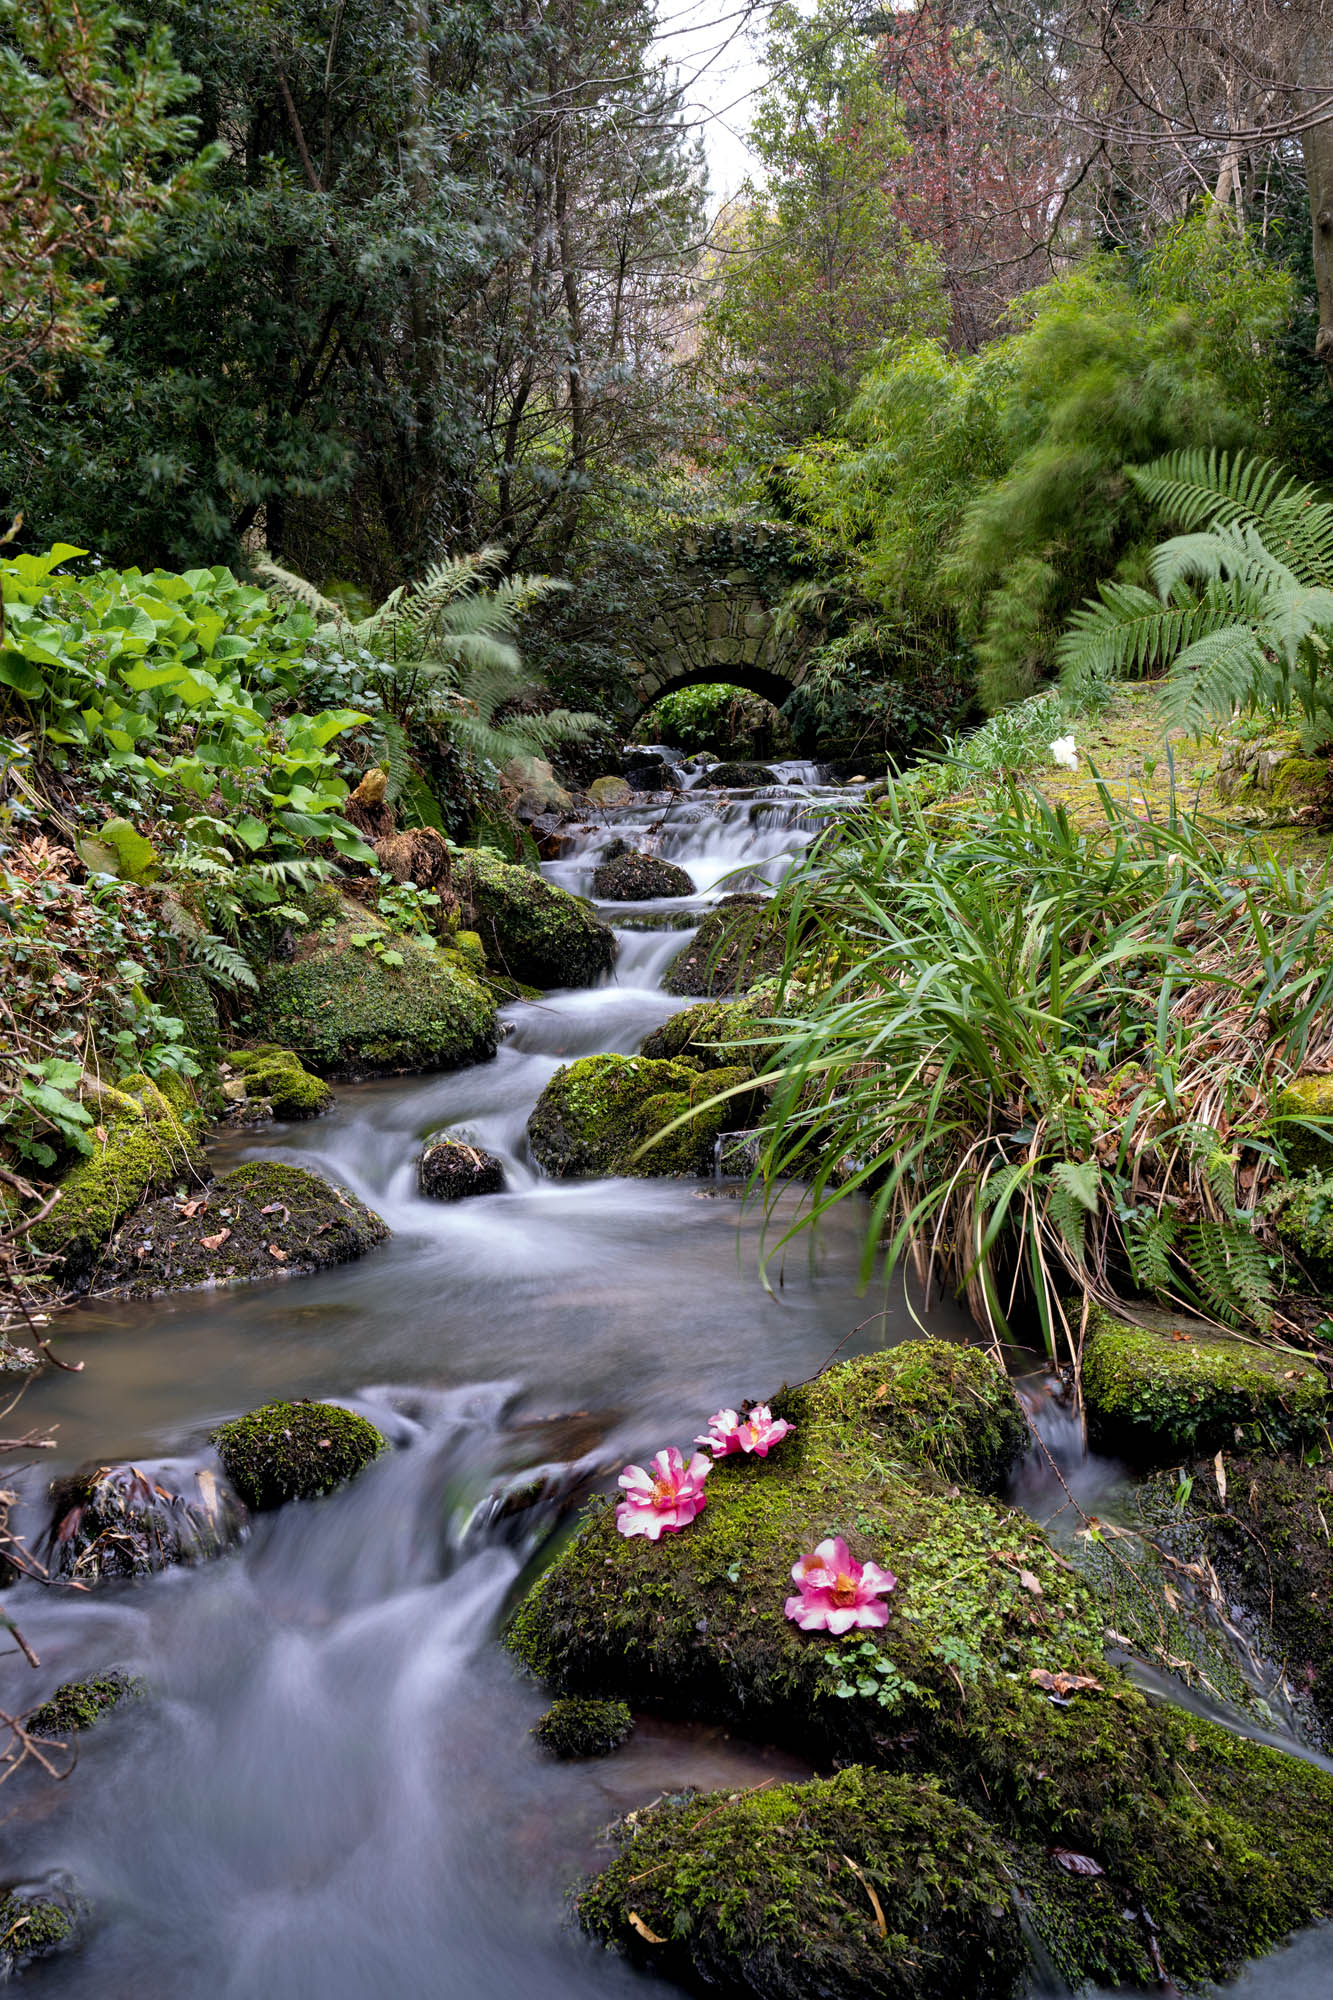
<point x="715" y="716"/>
<point x="173" y="690"/>
<point x="1048" y="1051"/>
<point x="974" y="500"/>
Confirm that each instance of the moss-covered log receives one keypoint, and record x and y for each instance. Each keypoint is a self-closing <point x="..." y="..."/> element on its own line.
<point x="1174" y="1386"/>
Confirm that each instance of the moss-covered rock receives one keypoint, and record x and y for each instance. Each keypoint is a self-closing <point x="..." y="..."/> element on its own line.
<point x="130" y="1520"/>
<point x="280" y="1076"/>
<point x="714" y="1035"/>
<point x="1304" y="1123"/>
<point x="1173" y="1386"/>
<point x="991" y="1673"/>
<point x="148" y="1148"/>
<point x="34" y="1924"/>
<point x="295" y="1451"/>
<point x="740" y="774"/>
<point x="451" y="1170"/>
<point x="627" y="876"/>
<point x="595" y="1115"/>
<point x="862" y="1886"/>
<point x="609" y="792"/>
<point x="739" y="943"/>
<point x="349" y="1010"/>
<point x="532" y="931"/>
<point x="262" y="1220"/>
<point x="1268" y="1540"/>
<point x="583" y="1728"/>
<point x="80" y="1705"/>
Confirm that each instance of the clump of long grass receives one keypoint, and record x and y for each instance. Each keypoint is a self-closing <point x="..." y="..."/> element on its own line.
<point x="1048" y="1052"/>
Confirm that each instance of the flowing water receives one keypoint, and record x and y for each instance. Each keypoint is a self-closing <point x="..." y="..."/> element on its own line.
<point x="328" y="1791"/>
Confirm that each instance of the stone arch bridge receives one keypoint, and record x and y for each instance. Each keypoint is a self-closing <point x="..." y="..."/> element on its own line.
<point x="714" y="620"/>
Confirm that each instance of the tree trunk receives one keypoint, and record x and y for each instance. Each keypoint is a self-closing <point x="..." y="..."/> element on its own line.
<point x="1317" y="74"/>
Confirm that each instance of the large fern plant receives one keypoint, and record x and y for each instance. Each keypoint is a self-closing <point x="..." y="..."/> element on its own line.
<point x="443" y="649"/>
<point x="1242" y="612"/>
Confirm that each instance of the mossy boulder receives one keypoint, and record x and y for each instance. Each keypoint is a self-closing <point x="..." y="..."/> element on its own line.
<point x="131" y="1520"/>
<point x="609" y="792"/>
<point x="532" y="931"/>
<point x="584" y="1728"/>
<point x="862" y="1886"/>
<point x="628" y="876"/>
<point x="350" y="1010"/>
<point x="1268" y="1540"/>
<point x="147" y="1149"/>
<point x="595" y="1115"/>
<point x="80" y="1705"/>
<point x="1172" y="1387"/>
<point x="451" y="1170"/>
<point x="1304" y="1123"/>
<point x="295" y="1451"/>
<point x="991" y="1674"/>
<point x="262" y="1220"/>
<point x="35" y="1923"/>
<point x="279" y="1076"/>
<point x="740" y="774"/>
<point x="713" y="1035"/>
<point x="739" y="943"/>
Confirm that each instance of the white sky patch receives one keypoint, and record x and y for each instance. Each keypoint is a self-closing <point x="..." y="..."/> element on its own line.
<point x="714" y="44"/>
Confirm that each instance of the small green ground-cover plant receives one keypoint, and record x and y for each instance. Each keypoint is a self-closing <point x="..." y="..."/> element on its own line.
<point x="1049" y="1052"/>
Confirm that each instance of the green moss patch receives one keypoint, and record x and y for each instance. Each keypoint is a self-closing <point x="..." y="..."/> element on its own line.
<point x="31" y="1927"/>
<point x="583" y="1728"/>
<point x="713" y="1035"/>
<point x="262" y="1220"/>
<point x="1304" y="1123"/>
<point x="80" y="1705"/>
<point x="147" y="1149"/>
<point x="991" y="1673"/>
<point x="533" y="932"/>
<point x="859" y="1885"/>
<point x="281" y="1077"/>
<point x="295" y="1451"/>
<point x="739" y="943"/>
<point x="595" y="1115"/>
<point x="1175" y="1386"/>
<point x="348" y="1010"/>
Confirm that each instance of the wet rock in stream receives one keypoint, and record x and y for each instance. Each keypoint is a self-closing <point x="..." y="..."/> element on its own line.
<point x="262" y="1220"/>
<point x="532" y="931"/>
<point x="1139" y="1836"/>
<point x="737" y="944"/>
<point x="130" y="1520"/>
<point x="584" y="1728"/>
<point x="451" y="1170"/>
<point x="595" y="1116"/>
<point x="36" y="1921"/>
<point x="77" y="1706"/>
<point x="626" y="875"/>
<point x="295" y="1451"/>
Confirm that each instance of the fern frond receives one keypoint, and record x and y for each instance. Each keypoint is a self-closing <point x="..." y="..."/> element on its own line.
<point x="1130" y="633"/>
<point x="1217" y="675"/>
<point x="1211" y="488"/>
<point x="221" y="961"/>
<point x="286" y="583"/>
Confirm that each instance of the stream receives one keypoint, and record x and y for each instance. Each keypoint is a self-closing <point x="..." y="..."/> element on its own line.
<point x="328" y="1791"/>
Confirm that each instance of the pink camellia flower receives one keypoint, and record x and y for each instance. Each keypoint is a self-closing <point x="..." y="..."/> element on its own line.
<point x="762" y="1430"/>
<point x="758" y="1431"/>
<point x="837" y="1592"/>
<point x="666" y="1497"/>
